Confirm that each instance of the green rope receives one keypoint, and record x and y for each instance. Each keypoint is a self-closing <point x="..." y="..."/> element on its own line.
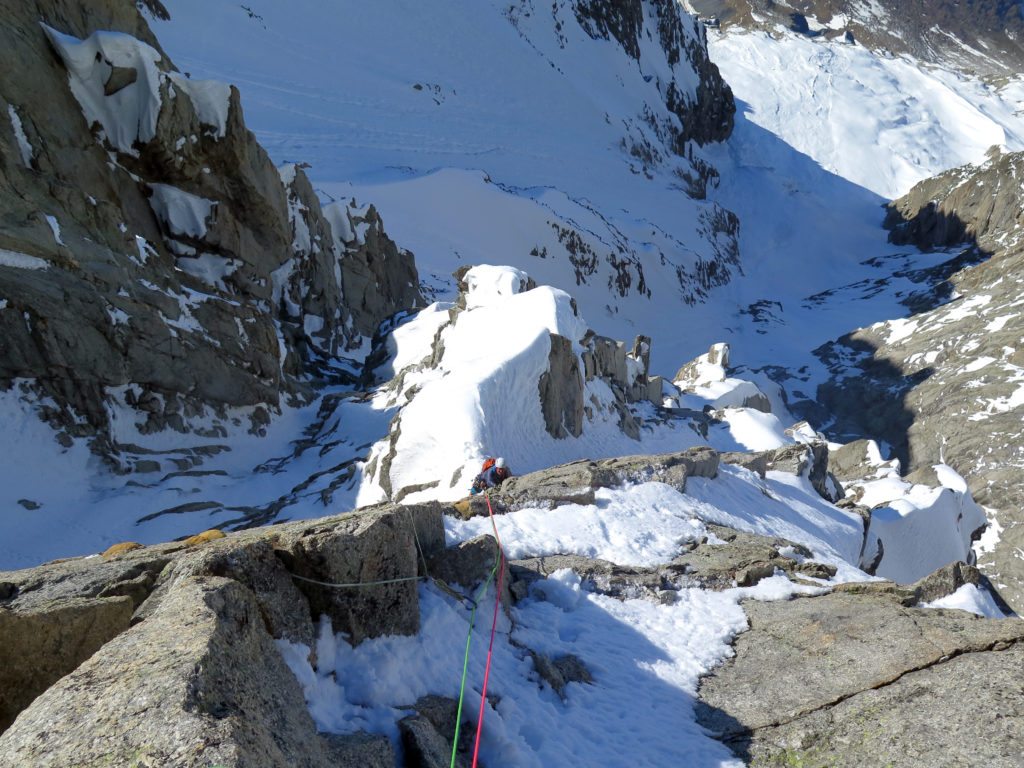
<point x="465" y="661"/>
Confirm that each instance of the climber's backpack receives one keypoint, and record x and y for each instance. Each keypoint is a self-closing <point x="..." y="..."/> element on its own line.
<point x="488" y="463"/>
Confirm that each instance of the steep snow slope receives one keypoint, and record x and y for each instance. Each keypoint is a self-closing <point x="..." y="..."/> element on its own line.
<point x="489" y="132"/>
<point x="815" y="96"/>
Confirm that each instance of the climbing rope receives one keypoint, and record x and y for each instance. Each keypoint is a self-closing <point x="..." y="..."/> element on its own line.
<point x="423" y="560"/>
<point x="358" y="583"/>
<point x="465" y="660"/>
<point x="494" y="626"/>
<point x="499" y="567"/>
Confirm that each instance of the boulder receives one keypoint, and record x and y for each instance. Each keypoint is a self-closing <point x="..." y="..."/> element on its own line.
<point x="605" y="358"/>
<point x="810" y="459"/>
<point x="470" y="563"/>
<point x="424" y="746"/>
<point x="55" y="616"/>
<point x="198" y="683"/>
<point x="561" y="671"/>
<point x="41" y="644"/>
<point x="726" y="559"/>
<point x="283" y="607"/>
<point x="853" y="461"/>
<point x="946" y="581"/>
<point x="756" y="461"/>
<point x="358" y="750"/>
<point x="328" y="556"/>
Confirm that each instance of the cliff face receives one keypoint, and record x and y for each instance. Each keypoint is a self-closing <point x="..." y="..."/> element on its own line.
<point x="706" y="114"/>
<point x="151" y="252"/>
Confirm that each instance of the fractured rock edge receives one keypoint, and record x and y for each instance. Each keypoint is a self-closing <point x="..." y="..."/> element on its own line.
<point x="805" y="665"/>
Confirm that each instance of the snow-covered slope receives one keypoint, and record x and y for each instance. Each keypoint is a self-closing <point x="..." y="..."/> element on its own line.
<point x="496" y="132"/>
<point x="921" y="120"/>
<point x="508" y="139"/>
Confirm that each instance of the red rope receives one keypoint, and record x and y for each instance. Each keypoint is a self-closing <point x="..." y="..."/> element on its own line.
<point x="494" y="625"/>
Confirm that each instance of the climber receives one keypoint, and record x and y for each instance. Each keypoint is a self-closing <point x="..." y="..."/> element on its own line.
<point x="494" y="473"/>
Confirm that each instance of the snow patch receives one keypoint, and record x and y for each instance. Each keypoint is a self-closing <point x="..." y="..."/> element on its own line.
<point x="129" y="115"/>
<point x="27" y="150"/>
<point x="969" y="598"/>
<point x="21" y="260"/>
<point x="180" y="212"/>
<point x="211" y="100"/>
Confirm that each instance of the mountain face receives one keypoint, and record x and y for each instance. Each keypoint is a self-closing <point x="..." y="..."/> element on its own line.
<point x="944" y="384"/>
<point x="223" y="320"/>
<point x="703" y="117"/>
<point x="153" y="256"/>
<point x="984" y="37"/>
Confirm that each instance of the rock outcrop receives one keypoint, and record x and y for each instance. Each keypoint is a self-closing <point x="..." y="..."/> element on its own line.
<point x="153" y="256"/>
<point x="816" y="681"/>
<point x="583" y="383"/>
<point x="705" y="118"/>
<point x="577" y="482"/>
<point x="165" y="655"/>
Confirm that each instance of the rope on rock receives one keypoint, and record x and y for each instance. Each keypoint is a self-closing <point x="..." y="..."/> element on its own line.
<point x="358" y="583"/>
<point x="423" y="560"/>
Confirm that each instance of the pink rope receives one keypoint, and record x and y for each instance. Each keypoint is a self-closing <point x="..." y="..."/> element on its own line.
<point x="494" y="626"/>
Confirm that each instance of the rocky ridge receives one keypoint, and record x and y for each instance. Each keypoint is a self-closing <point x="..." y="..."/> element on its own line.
<point x="943" y="385"/>
<point x="153" y="256"/>
<point x="983" y="38"/>
<point x="165" y="655"/>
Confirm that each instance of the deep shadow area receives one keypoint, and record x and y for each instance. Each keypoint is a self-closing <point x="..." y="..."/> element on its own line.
<point x="870" y="403"/>
<point x="867" y="392"/>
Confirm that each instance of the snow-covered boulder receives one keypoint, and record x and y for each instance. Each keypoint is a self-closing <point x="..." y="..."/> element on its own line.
<point x="708" y="380"/>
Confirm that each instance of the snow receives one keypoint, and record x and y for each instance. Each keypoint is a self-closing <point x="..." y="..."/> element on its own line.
<point x="130" y="114"/>
<point x="55" y="228"/>
<point x="921" y="120"/>
<point x="20" y="260"/>
<point x="211" y="100"/>
<point x="208" y="267"/>
<point x="632" y="647"/>
<point x="649" y="655"/>
<point x="483" y="396"/>
<point x="924" y="529"/>
<point x="969" y="598"/>
<point x="182" y="213"/>
<point x="27" y="150"/>
<point x="490" y="147"/>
